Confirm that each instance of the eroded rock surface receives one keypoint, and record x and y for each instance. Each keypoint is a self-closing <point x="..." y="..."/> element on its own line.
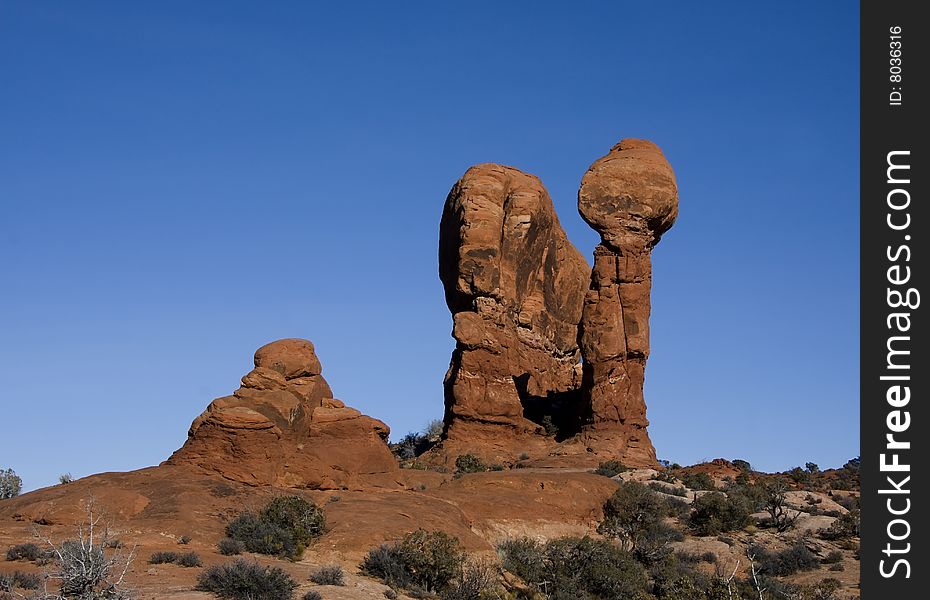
<point x="630" y="198"/>
<point x="515" y="287"/>
<point x="526" y="308"/>
<point x="283" y="427"/>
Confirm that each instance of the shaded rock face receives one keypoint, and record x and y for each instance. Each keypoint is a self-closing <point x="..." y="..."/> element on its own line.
<point x="527" y="308"/>
<point x="630" y="198"/>
<point x="283" y="427"/>
<point x="515" y="286"/>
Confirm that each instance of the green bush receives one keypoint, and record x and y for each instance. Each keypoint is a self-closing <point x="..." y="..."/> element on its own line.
<point x="698" y="481"/>
<point x="787" y="562"/>
<point x="716" y="513"/>
<point x="329" y="575"/>
<point x="422" y="559"/>
<point x="469" y="463"/>
<point x="844" y="527"/>
<point x="245" y="579"/>
<point x="260" y="536"/>
<point x="573" y="568"/>
<point x="284" y="527"/>
<point x="10" y="484"/>
<point x="635" y="514"/>
<point x="610" y="468"/>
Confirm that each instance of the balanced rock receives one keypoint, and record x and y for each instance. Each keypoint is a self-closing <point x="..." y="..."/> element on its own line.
<point x="283" y="427"/>
<point x="630" y="198"/>
<point x="515" y="286"/>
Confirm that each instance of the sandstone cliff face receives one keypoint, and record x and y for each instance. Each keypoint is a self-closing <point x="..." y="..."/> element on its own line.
<point x="527" y="308"/>
<point x="515" y="287"/>
<point x="283" y="427"/>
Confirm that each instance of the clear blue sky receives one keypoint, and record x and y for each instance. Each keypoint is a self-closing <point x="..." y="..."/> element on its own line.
<point x="182" y="182"/>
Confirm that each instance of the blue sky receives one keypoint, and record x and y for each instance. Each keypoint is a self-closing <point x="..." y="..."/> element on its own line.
<point x="182" y="182"/>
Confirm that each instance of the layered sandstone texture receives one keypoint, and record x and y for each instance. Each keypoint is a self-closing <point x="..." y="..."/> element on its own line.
<point x="283" y="427"/>
<point x="515" y="286"/>
<point x="630" y="198"/>
<point x="527" y="308"/>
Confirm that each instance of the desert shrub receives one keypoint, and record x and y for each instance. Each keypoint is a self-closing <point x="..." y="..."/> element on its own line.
<point x="329" y="575"/>
<point x="184" y="540"/>
<point x="260" y="536"/>
<point x="811" y="467"/>
<point x="411" y="446"/>
<point x="312" y="595"/>
<point x="634" y="515"/>
<point x="716" y="513"/>
<point x="523" y="456"/>
<point x="189" y="559"/>
<point x="28" y="551"/>
<point x="65" y="478"/>
<point x="834" y="556"/>
<point x="469" y="463"/>
<point x="698" y="481"/>
<point x="478" y="581"/>
<point x="246" y="579"/>
<point x="434" y="429"/>
<point x="160" y="558"/>
<point x="781" y="517"/>
<point x="573" y="568"/>
<point x="677" y="508"/>
<point x="837" y="567"/>
<point x="19" y="579"/>
<point x="86" y="571"/>
<point x="674" y="491"/>
<point x="390" y="594"/>
<point x="425" y="559"/>
<point x="789" y="561"/>
<point x="742" y="465"/>
<point x="848" y="502"/>
<point x="610" y="468"/>
<point x="285" y="527"/>
<point x="844" y="527"/>
<point x="230" y="547"/>
<point x="10" y="484"/>
<point x="185" y="559"/>
<point x="297" y="515"/>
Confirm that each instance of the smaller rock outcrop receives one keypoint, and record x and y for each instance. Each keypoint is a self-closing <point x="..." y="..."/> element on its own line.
<point x="283" y="427"/>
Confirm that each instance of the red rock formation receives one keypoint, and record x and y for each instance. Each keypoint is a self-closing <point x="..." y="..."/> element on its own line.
<point x="283" y="427"/>
<point x="630" y="197"/>
<point x="515" y="286"/>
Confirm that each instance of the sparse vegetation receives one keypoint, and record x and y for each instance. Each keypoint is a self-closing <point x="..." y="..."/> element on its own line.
<point x="28" y="551"/>
<point x="19" y="579"/>
<point x="573" y="568"/>
<point x="634" y="515"/>
<point x="83" y="567"/>
<point x="428" y="560"/>
<point x="285" y="527"/>
<point x="230" y="547"/>
<point x="469" y="463"/>
<point x="184" y="540"/>
<point x="10" y="484"/>
<point x="65" y="478"/>
<point x="698" y="481"/>
<point x="789" y="561"/>
<point x="247" y="579"/>
<point x="329" y="575"/>
<point x="312" y="595"/>
<point x="182" y="559"/>
<point x="716" y="513"/>
<point x="844" y="527"/>
<point x="610" y="468"/>
<point x="781" y="517"/>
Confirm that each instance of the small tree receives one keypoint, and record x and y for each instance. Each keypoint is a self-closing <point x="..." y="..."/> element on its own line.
<point x="776" y="504"/>
<point x="89" y="568"/>
<point x="10" y="484"/>
<point x="632" y="514"/>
